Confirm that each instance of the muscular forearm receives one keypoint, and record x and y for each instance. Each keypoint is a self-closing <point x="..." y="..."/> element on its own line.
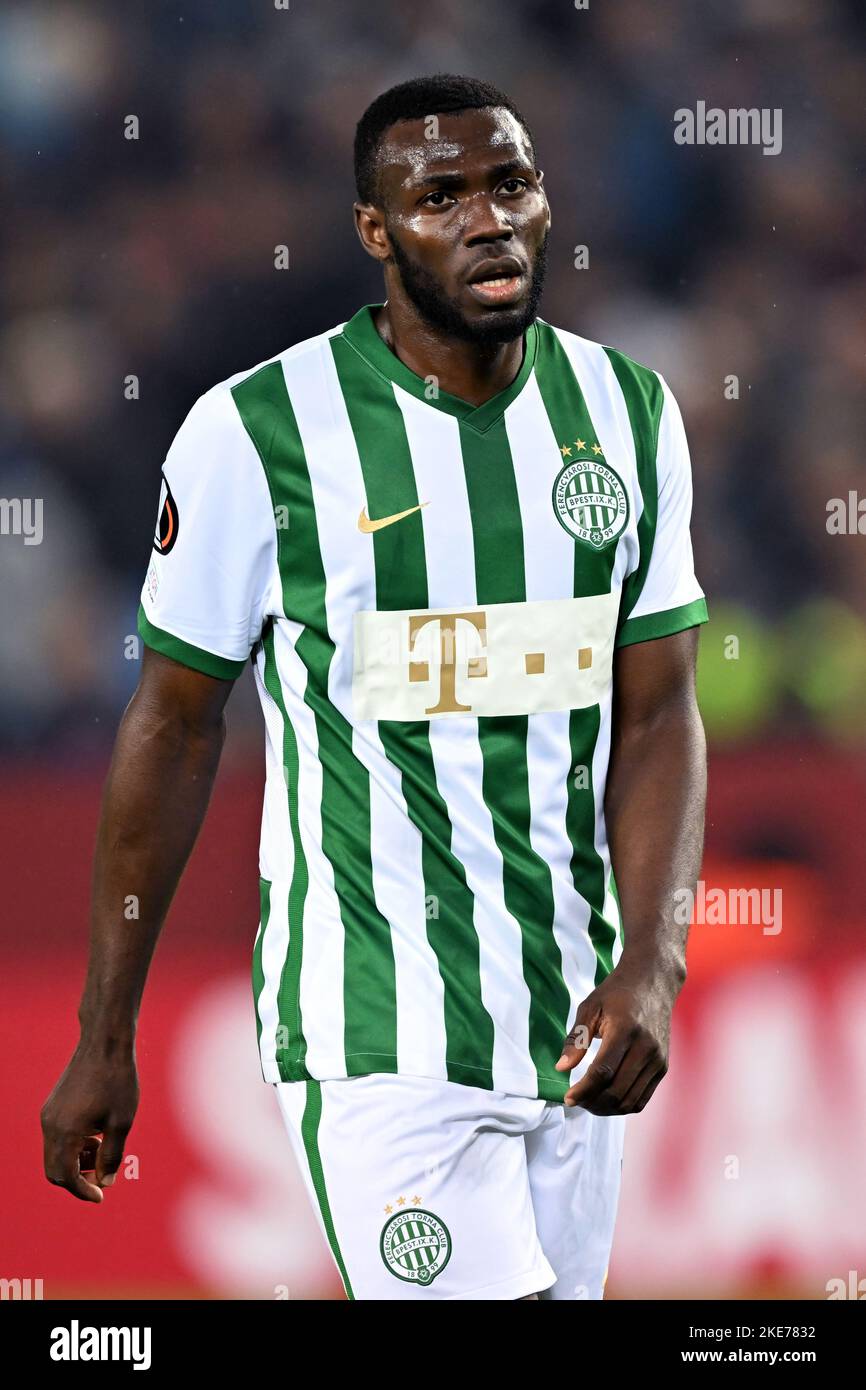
<point x="654" y="810"/>
<point x="156" y="794"/>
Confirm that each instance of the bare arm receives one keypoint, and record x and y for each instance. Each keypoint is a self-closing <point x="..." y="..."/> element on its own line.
<point x="156" y="794"/>
<point x="654" y="808"/>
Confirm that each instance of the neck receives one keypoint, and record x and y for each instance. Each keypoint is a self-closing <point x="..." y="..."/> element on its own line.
<point x="471" y="371"/>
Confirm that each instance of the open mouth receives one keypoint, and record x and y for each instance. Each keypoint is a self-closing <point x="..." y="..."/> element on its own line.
<point x="497" y="290"/>
<point x="497" y="282"/>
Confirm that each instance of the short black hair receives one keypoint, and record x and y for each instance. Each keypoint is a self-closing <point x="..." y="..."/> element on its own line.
<point x="411" y="101"/>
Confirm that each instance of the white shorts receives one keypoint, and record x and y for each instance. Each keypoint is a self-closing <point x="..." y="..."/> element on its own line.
<point x="433" y="1189"/>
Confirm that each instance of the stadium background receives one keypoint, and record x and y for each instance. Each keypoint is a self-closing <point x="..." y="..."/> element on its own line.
<point x="155" y="258"/>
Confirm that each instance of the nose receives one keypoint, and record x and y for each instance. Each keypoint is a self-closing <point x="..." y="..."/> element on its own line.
<point x="484" y="221"/>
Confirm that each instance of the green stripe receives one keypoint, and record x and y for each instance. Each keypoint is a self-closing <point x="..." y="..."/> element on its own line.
<point x="587" y="865"/>
<point x="497" y="533"/>
<point x="642" y="391"/>
<point x="663" y="624"/>
<point x="184" y="652"/>
<point x="310" y="1135"/>
<point x="570" y="420"/>
<point x="571" y="423"/>
<point x="291" y="1050"/>
<point x="370" y="1033"/>
<point x="401" y="582"/>
<point x="258" y="972"/>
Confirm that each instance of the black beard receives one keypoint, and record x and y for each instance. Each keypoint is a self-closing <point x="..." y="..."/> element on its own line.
<point x="500" y="326"/>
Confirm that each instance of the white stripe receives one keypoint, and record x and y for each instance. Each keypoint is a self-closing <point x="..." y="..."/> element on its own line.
<point x="670" y="578"/>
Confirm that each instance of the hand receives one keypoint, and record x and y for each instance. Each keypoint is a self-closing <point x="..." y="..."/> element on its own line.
<point x="85" y="1122"/>
<point x="631" y="1012"/>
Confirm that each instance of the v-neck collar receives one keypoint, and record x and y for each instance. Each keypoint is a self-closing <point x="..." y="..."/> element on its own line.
<point x="361" y="332"/>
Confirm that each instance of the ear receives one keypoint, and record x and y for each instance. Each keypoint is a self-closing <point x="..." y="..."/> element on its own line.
<point x="539" y="174"/>
<point x="370" y="226"/>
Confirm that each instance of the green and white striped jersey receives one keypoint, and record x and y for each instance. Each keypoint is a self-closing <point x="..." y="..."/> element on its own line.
<point x="430" y="593"/>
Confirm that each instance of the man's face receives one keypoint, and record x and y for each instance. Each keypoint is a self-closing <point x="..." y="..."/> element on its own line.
<point x="467" y="221"/>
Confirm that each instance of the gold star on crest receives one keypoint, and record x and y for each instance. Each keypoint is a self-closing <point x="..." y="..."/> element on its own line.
<point x="401" y="1201"/>
<point x="416" y="1201"/>
<point x="388" y="1210"/>
<point x="580" y="443"/>
<point x="564" y="450"/>
<point x="597" y="449"/>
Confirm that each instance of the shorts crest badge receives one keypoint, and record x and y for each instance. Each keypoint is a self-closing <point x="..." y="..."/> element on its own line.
<point x="415" y="1245"/>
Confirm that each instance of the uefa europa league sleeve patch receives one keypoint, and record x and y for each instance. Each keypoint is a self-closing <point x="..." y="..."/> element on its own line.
<point x="167" y="520"/>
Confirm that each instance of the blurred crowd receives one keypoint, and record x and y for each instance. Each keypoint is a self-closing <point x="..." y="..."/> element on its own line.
<point x="135" y="273"/>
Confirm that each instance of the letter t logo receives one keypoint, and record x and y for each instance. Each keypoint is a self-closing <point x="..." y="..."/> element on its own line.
<point x="420" y="670"/>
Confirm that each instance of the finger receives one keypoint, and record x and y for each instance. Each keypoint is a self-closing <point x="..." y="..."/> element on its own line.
<point x="638" y="1066"/>
<point x="110" y="1155"/>
<point x="603" y="1069"/>
<point x="647" y="1074"/>
<point x="576" y="1044"/>
<point x="649" y="1091"/>
<point x="62" y="1168"/>
<point x="612" y="1101"/>
<point x="87" y="1155"/>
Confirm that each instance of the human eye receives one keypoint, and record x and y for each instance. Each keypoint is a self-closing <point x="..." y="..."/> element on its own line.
<point x="437" y="199"/>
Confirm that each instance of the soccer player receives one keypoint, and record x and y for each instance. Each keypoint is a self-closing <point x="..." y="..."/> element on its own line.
<point x="453" y="541"/>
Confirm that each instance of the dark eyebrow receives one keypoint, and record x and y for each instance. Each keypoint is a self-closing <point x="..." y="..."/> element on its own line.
<point x="458" y="179"/>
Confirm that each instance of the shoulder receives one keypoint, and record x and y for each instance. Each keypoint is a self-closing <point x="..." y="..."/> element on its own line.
<point x="217" y="406"/>
<point x="602" y="360"/>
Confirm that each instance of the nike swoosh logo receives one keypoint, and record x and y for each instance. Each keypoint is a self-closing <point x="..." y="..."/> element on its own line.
<point x="368" y="526"/>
